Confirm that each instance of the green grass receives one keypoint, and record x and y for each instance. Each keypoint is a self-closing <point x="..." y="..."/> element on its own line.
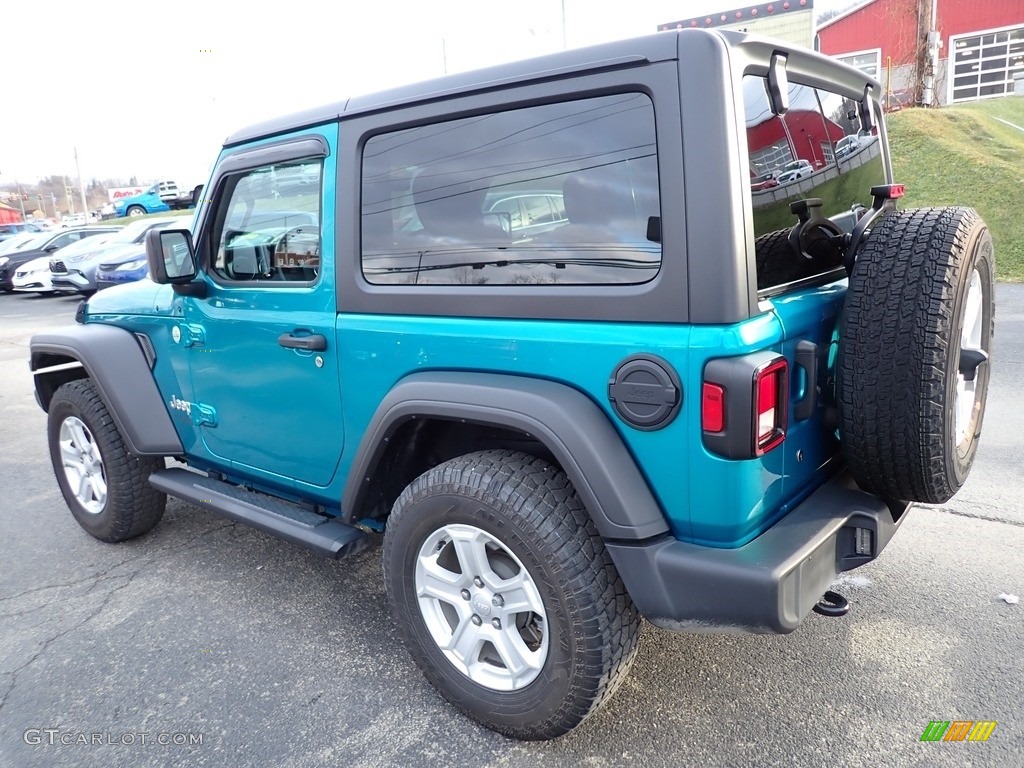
<point x="963" y="155"/>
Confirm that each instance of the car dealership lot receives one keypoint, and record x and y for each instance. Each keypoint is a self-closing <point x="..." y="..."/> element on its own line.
<point x="277" y="657"/>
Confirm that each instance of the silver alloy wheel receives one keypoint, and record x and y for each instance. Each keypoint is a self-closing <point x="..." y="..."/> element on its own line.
<point x="83" y="465"/>
<point x="970" y="339"/>
<point x="482" y="607"/>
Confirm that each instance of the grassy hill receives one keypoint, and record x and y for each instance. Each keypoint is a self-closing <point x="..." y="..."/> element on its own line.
<point x="964" y="155"/>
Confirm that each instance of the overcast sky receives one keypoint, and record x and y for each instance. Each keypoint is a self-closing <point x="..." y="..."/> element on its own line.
<point x="151" y="90"/>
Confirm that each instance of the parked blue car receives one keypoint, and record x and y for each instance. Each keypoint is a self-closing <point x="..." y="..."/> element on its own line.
<point x="162" y="196"/>
<point x="127" y="268"/>
<point x="139" y="205"/>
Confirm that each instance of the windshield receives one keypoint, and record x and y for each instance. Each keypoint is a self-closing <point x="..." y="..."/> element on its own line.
<point x="86" y="244"/>
<point x="20" y="241"/>
<point x="34" y="241"/>
<point x="134" y="232"/>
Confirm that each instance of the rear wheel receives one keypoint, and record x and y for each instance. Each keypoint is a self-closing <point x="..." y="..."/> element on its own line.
<point x="505" y="594"/>
<point x="913" y="367"/>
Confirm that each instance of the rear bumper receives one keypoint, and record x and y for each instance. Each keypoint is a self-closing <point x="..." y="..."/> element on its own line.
<point x="770" y="584"/>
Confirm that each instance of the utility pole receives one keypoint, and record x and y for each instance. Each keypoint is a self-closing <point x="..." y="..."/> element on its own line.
<point x="81" y="187"/>
<point x="21" y="199"/>
<point x="563" y="25"/>
<point x="927" y="50"/>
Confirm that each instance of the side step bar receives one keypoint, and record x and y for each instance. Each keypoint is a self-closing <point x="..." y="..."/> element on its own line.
<point x="267" y="513"/>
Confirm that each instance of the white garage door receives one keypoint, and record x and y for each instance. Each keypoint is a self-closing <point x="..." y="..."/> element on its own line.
<point x="984" y="63"/>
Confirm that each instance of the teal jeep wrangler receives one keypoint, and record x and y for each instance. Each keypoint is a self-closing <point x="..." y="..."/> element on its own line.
<point x="560" y="334"/>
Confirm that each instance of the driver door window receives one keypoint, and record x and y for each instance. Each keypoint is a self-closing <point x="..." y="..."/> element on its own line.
<point x="268" y="230"/>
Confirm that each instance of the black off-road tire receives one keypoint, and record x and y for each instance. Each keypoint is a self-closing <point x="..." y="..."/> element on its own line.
<point x="778" y="264"/>
<point x="900" y="353"/>
<point x="533" y="510"/>
<point x="132" y="506"/>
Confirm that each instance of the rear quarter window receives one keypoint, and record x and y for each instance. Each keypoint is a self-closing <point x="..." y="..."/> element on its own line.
<point x="557" y="194"/>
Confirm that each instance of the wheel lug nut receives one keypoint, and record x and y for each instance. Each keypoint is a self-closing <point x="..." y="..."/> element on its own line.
<point x="478" y="582"/>
<point x="496" y="623"/>
<point x="497" y="601"/>
<point x="477" y="621"/>
<point x="465" y="594"/>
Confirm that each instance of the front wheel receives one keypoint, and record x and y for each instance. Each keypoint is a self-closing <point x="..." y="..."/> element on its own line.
<point x="105" y="486"/>
<point x="505" y="594"/>
<point x="135" y="210"/>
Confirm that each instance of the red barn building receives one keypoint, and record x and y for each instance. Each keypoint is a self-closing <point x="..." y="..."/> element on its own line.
<point x="976" y="51"/>
<point x="800" y="135"/>
<point x="9" y="215"/>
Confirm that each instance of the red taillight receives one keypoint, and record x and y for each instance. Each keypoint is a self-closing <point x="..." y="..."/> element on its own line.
<point x="712" y="408"/>
<point x="770" y="396"/>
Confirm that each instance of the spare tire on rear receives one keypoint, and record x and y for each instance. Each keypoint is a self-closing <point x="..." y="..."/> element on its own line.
<point x="913" y="369"/>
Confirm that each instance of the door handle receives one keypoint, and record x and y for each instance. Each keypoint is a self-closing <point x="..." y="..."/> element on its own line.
<point x="313" y="342"/>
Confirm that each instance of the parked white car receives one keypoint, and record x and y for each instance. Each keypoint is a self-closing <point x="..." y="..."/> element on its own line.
<point x="29" y="279"/>
<point x="34" y="276"/>
<point x="847" y="146"/>
<point x="794" y="170"/>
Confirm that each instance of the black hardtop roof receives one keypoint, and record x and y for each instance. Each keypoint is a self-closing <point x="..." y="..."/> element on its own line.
<point x="660" y="46"/>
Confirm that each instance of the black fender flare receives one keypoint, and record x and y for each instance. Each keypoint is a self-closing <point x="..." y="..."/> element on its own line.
<point x="568" y="423"/>
<point x="113" y="358"/>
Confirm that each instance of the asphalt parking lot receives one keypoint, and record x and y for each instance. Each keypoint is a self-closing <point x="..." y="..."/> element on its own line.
<point x="208" y="631"/>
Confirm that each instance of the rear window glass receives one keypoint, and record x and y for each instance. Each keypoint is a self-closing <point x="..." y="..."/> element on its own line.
<point x="561" y="194"/>
<point x="816" y="150"/>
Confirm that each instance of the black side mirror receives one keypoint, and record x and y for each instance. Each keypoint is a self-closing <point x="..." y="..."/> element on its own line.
<point x="50" y="248"/>
<point x="778" y="84"/>
<point x="171" y="256"/>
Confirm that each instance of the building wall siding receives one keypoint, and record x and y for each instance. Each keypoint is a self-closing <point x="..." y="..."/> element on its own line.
<point x="892" y="26"/>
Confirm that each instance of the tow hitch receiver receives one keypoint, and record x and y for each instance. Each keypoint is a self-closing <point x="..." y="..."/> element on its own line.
<point x="832" y="604"/>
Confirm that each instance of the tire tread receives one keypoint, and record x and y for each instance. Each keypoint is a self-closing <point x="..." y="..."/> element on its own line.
<point x="133" y="505"/>
<point x="898" y="326"/>
<point x="544" y="500"/>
